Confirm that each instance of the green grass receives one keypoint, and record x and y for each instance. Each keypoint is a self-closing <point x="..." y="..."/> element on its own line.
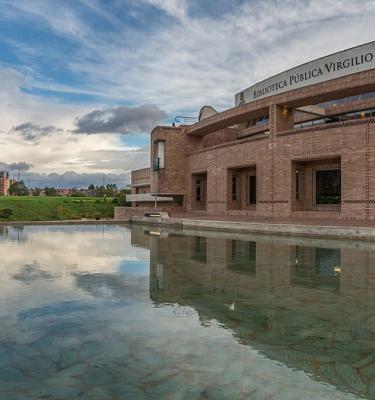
<point x="40" y="208"/>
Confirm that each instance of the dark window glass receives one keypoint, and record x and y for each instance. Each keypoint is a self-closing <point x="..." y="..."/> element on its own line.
<point x="316" y="268"/>
<point x="234" y="188"/>
<point x="252" y="189"/>
<point x="242" y="257"/>
<point x="328" y="187"/>
<point x="198" y="190"/>
<point x="298" y="189"/>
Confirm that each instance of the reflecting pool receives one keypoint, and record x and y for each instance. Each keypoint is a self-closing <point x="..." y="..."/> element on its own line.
<point x="113" y="312"/>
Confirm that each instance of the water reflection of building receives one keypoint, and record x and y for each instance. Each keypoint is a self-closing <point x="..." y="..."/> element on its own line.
<point x="12" y="233"/>
<point x="310" y="308"/>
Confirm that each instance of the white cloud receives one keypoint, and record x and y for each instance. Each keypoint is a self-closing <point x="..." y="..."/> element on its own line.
<point x="179" y="62"/>
<point x="194" y="61"/>
<point x="18" y="107"/>
<point x="49" y="144"/>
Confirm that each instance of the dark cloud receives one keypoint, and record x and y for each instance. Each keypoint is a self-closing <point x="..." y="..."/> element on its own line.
<point x="32" y="272"/>
<point x="121" y="119"/>
<point x="32" y="132"/>
<point x="20" y="166"/>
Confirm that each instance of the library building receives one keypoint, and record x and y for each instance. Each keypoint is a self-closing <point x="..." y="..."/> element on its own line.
<point x="298" y="145"/>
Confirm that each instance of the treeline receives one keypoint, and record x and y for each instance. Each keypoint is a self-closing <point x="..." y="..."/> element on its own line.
<point x="19" y="188"/>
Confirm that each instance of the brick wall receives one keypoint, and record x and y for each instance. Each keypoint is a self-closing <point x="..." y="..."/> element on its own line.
<point x="353" y="143"/>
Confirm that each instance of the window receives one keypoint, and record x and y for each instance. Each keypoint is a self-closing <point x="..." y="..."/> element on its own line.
<point x="316" y="268"/>
<point x="328" y="187"/>
<point x="234" y="188"/>
<point x="242" y="257"/>
<point x="198" y="190"/>
<point x="252" y="189"/>
<point x="160" y="146"/>
<point x="298" y="185"/>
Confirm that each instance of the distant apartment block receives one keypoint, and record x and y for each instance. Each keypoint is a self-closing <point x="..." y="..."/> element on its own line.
<point x="4" y="183"/>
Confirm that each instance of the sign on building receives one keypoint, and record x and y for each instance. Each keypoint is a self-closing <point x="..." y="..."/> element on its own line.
<point x="337" y="65"/>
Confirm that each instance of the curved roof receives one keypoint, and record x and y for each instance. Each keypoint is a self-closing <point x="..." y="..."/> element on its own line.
<point x="346" y="86"/>
<point x="205" y="112"/>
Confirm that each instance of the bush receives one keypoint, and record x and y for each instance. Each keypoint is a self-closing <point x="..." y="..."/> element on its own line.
<point x="6" y="213"/>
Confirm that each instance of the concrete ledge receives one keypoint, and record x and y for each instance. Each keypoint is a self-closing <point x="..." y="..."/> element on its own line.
<point x="338" y="232"/>
<point x="184" y="224"/>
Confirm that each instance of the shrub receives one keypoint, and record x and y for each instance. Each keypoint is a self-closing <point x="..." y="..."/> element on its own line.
<point x="6" y="213"/>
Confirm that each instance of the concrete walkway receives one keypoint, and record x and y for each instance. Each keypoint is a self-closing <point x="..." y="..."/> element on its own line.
<point x="313" y="229"/>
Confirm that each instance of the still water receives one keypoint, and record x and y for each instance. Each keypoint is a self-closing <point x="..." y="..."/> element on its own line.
<point x="109" y="312"/>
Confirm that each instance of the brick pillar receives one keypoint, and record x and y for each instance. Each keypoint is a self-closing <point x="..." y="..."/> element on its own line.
<point x="281" y="119"/>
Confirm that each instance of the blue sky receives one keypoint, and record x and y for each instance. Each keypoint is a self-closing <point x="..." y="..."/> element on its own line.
<point x="84" y="81"/>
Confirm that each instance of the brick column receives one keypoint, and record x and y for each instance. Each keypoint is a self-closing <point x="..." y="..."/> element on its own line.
<point x="281" y="119"/>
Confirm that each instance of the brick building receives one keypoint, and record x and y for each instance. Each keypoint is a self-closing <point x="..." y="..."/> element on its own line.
<point x="4" y="183"/>
<point x="300" y="144"/>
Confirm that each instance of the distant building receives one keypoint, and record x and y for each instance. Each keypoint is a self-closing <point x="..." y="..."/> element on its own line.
<point x="4" y="183"/>
<point x="64" y="192"/>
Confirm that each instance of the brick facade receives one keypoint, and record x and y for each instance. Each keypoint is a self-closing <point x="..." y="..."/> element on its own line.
<point x="223" y="145"/>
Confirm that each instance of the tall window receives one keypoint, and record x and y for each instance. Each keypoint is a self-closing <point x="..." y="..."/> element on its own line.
<point x="252" y="189"/>
<point x="234" y="188"/>
<point x="328" y="187"/>
<point x="198" y="189"/>
<point x="160" y="146"/>
<point x="298" y="185"/>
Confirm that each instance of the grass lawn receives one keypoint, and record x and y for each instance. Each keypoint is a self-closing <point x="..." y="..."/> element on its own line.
<point x="42" y="208"/>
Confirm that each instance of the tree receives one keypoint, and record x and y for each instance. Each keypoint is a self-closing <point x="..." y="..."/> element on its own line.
<point x="100" y="191"/>
<point x="91" y="187"/>
<point x="18" y="188"/>
<point x="111" y="190"/>
<point x="50" y="191"/>
<point x="120" y="199"/>
<point x="36" y="192"/>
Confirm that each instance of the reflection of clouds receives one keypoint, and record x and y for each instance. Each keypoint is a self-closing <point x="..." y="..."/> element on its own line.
<point x="31" y="272"/>
<point x="116" y="286"/>
<point x="59" y="254"/>
<point x="11" y="234"/>
<point x="87" y="248"/>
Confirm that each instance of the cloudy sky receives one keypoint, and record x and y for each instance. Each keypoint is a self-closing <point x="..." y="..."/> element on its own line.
<point x="84" y="81"/>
